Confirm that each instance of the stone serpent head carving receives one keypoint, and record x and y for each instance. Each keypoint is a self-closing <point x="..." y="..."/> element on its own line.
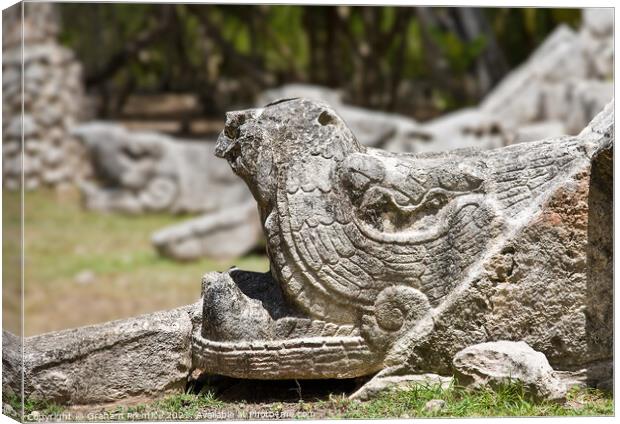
<point x="367" y="248"/>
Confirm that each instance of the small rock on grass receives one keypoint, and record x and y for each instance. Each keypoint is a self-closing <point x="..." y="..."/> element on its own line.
<point x="435" y="405"/>
<point x="494" y="363"/>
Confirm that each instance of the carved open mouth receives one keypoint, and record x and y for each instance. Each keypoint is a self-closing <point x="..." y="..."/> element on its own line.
<point x="227" y="148"/>
<point x="267" y="339"/>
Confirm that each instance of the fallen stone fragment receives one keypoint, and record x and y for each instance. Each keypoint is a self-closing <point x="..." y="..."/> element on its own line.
<point x="224" y="234"/>
<point x="149" y="355"/>
<point x="495" y="363"/>
<point x="139" y="172"/>
<point x="11" y="363"/>
<point x="8" y="410"/>
<point x="435" y="405"/>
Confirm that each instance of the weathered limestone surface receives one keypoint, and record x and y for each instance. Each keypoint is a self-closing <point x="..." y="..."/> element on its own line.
<point x="52" y="101"/>
<point x="396" y="262"/>
<point x="373" y="128"/>
<point x="494" y="363"/>
<point x="145" y="356"/>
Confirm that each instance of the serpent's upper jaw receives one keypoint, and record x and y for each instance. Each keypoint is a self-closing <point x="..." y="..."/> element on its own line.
<point x="228" y="143"/>
<point x="226" y="148"/>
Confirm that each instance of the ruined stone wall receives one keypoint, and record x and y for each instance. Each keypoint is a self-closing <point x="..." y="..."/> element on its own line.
<point x="45" y="80"/>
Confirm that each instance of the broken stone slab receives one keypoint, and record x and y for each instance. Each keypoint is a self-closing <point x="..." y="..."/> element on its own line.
<point x="146" y="356"/>
<point x="395" y="262"/>
<point x="516" y="98"/>
<point x="495" y="363"/>
<point x="539" y="131"/>
<point x="465" y="128"/>
<point x="225" y="234"/>
<point x="11" y="363"/>
<point x="378" y="129"/>
<point x="140" y="172"/>
<point x="575" y="102"/>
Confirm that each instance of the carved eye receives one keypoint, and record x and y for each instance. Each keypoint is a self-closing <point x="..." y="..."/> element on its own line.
<point x="326" y="118"/>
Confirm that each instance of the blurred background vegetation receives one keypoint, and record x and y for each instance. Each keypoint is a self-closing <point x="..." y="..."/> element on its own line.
<point x="420" y="62"/>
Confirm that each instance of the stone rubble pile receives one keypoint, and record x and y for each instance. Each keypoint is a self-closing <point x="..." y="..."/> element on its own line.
<point x="568" y="79"/>
<point x="51" y="100"/>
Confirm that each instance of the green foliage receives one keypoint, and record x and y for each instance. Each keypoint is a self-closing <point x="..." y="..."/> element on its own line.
<point x="189" y="404"/>
<point x="460" y="55"/>
<point x="369" y="51"/>
<point x="41" y="407"/>
<point x="520" y="30"/>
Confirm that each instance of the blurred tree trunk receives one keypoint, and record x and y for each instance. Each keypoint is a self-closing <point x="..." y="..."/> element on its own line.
<point x="436" y="63"/>
<point x="469" y="25"/>
<point x="333" y="66"/>
<point x="313" y="44"/>
<point x="491" y="65"/>
<point x="131" y="49"/>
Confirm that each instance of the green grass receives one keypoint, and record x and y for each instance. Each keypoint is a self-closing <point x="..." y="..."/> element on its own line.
<point x="31" y="405"/>
<point x="63" y="240"/>
<point x="509" y="400"/>
<point x="506" y="400"/>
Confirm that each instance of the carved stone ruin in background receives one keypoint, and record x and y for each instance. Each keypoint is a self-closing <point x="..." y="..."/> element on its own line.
<point x="401" y="264"/>
<point x="52" y="100"/>
<point x="140" y="172"/>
